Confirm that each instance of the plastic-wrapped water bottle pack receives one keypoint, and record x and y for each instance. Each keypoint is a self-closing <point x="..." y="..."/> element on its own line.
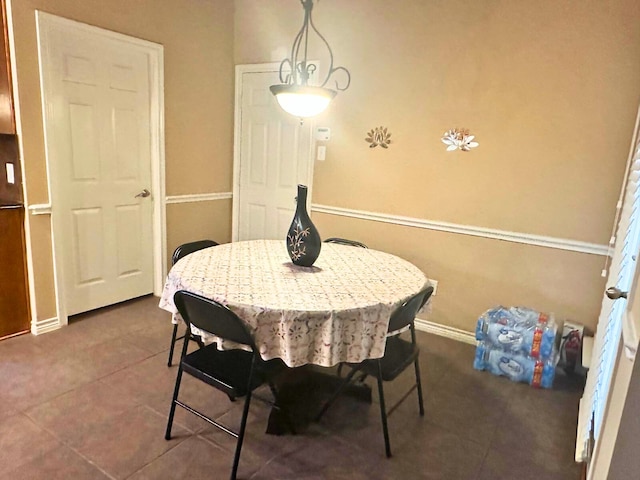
<point x="518" y="343"/>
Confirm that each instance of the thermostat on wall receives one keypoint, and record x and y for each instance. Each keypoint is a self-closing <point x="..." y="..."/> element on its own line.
<point x="323" y="134"/>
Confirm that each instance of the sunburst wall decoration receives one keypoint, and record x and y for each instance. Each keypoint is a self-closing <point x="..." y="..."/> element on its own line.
<point x="459" y="139"/>
<point x="378" y="136"/>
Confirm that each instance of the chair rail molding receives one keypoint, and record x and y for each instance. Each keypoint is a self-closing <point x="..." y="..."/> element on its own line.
<point x="197" y="197"/>
<point x="40" y="209"/>
<point x="516" y="237"/>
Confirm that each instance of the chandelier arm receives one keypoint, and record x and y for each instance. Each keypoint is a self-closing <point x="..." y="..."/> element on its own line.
<point x="286" y="79"/>
<point x="304" y="72"/>
<point x="338" y="87"/>
<point x="295" y="48"/>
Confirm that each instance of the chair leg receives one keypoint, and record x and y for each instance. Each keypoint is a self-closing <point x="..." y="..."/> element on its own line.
<point x="243" y="425"/>
<point x="173" y="343"/>
<point x="172" y="412"/>
<point x="383" y="413"/>
<point x="419" y="385"/>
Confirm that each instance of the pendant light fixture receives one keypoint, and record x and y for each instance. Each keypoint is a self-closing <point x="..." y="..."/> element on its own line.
<point x="295" y="95"/>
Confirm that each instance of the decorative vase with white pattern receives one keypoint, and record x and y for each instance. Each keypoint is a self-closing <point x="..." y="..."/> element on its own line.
<point x="303" y="239"/>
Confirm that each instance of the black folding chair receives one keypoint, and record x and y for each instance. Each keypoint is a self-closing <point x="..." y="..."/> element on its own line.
<point x="237" y="372"/>
<point x="344" y="241"/>
<point x="352" y="243"/>
<point x="182" y="251"/>
<point x="398" y="355"/>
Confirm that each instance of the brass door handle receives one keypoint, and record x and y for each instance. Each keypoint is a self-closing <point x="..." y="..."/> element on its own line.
<point x="614" y="293"/>
<point x="144" y="193"/>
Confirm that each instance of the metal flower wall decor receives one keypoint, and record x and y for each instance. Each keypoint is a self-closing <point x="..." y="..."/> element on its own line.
<point x="459" y="139"/>
<point x="378" y="136"/>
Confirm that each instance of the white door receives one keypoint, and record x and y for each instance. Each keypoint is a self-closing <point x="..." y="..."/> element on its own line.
<point x="613" y="314"/>
<point x="274" y="152"/>
<point x="96" y="96"/>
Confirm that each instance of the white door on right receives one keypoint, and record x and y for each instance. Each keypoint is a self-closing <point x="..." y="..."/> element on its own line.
<point x="624" y="265"/>
<point x="275" y="156"/>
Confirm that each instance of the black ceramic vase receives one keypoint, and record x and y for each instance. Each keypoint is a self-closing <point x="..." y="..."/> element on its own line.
<point x="303" y="240"/>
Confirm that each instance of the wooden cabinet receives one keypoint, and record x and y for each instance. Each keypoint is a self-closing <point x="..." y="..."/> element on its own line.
<point x="14" y="306"/>
<point x="7" y="119"/>
<point x="14" y="300"/>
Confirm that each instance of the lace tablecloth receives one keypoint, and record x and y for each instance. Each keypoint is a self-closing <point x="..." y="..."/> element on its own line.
<point x="336" y="311"/>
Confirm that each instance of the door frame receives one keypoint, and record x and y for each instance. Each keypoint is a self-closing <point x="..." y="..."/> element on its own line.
<point x="273" y="67"/>
<point x="47" y="23"/>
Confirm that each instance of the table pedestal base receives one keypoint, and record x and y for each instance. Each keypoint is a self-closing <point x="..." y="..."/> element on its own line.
<point x="303" y="391"/>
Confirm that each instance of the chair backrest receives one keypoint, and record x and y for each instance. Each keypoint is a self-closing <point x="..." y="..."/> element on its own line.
<point x="212" y="317"/>
<point x="344" y="241"/>
<point x="187" y="248"/>
<point x="406" y="313"/>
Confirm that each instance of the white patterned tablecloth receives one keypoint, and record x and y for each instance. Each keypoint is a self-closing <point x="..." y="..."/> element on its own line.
<point x="336" y="311"/>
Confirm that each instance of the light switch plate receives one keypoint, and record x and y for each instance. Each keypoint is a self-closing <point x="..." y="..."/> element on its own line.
<point x="11" y="174"/>
<point x="322" y="152"/>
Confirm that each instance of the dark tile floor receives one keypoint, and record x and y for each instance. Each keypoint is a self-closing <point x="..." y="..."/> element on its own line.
<point x="90" y="402"/>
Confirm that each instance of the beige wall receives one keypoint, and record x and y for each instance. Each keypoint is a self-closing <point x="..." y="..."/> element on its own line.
<point x="550" y="89"/>
<point x="212" y="221"/>
<point x="476" y="273"/>
<point x="197" y="37"/>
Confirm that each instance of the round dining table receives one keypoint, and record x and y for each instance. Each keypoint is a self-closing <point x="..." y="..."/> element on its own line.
<point x="335" y="311"/>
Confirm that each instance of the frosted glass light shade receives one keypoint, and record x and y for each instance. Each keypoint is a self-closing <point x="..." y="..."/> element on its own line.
<point x="301" y="101"/>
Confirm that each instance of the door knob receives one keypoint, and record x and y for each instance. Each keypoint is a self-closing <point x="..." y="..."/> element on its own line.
<point x="144" y="193"/>
<point x="614" y="293"/>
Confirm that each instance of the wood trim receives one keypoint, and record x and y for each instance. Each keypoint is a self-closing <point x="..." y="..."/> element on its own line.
<point x="39" y="327"/>
<point x="17" y="334"/>
<point x="197" y="197"/>
<point x="515" y="237"/>
<point x="445" y="331"/>
<point x="40" y="209"/>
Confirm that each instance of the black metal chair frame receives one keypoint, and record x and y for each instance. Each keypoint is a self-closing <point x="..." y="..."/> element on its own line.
<point x="399" y="354"/>
<point x="180" y="252"/>
<point x="344" y="241"/>
<point x="237" y="373"/>
<point x="352" y="243"/>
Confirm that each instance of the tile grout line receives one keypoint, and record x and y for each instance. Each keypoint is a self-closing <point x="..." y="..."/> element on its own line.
<point x="65" y="444"/>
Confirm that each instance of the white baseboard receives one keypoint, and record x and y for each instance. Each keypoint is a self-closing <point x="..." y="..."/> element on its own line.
<point x="445" y="331"/>
<point x="43" y="326"/>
